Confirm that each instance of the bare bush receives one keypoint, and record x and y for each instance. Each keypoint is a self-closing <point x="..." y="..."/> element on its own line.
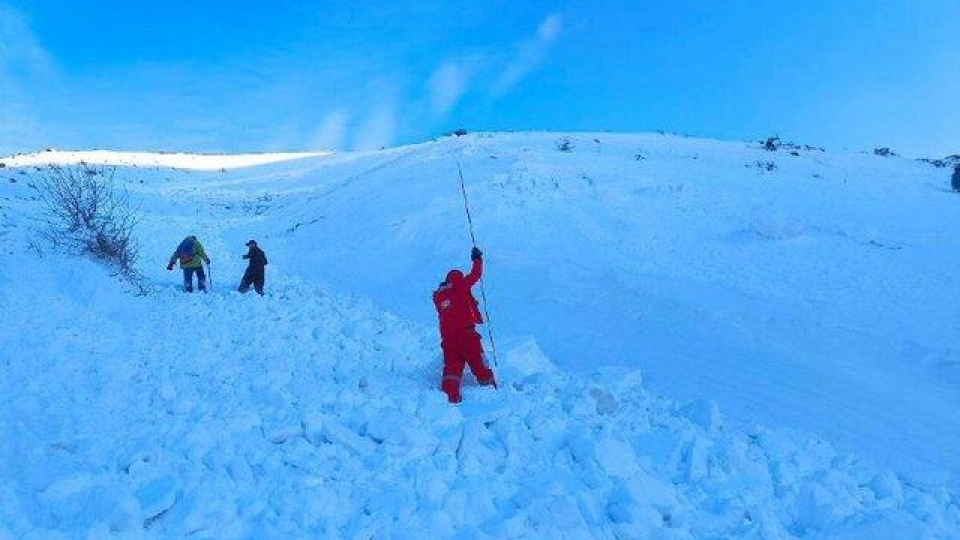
<point x="85" y="213"/>
<point x="774" y="143"/>
<point x="564" y="144"/>
<point x="768" y="166"/>
<point x="953" y="160"/>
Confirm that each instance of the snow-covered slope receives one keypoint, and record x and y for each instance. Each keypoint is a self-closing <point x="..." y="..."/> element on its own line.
<point x="176" y="160"/>
<point x="813" y="297"/>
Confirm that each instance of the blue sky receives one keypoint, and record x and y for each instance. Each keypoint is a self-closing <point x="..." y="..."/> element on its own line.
<point x="234" y="76"/>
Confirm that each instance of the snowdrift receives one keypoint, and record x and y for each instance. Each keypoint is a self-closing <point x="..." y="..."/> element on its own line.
<point x="314" y="412"/>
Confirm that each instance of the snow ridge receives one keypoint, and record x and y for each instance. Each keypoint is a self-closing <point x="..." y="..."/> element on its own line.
<point x="175" y="160"/>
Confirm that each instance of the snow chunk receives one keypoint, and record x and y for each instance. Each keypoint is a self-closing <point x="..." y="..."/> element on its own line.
<point x="616" y="457"/>
<point x="321" y="429"/>
<point x="525" y="360"/>
<point x="887" y="487"/>
<point x="704" y="413"/>
<point x="647" y="490"/>
<point x="157" y="497"/>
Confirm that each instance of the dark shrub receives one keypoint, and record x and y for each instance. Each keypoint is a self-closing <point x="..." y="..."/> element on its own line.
<point x="768" y="166"/>
<point x="84" y="212"/>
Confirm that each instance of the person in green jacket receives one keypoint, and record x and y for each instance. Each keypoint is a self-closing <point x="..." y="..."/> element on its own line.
<point x="191" y="255"/>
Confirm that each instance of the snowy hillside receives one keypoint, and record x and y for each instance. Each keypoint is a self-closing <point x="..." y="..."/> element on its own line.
<point x="795" y="319"/>
<point x="177" y="160"/>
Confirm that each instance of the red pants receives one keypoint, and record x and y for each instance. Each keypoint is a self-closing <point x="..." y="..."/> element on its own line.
<point x="463" y="348"/>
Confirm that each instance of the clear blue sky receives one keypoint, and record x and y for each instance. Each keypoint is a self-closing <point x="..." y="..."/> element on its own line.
<point x="218" y="75"/>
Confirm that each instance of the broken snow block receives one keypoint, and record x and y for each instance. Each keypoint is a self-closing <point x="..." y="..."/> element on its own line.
<point x="336" y="433"/>
<point x="704" y="413"/>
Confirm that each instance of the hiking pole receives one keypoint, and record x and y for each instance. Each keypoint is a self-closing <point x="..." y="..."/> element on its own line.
<point x="210" y="276"/>
<point x="483" y="291"/>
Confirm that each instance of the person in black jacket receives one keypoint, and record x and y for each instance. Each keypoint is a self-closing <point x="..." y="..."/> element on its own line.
<point x="255" y="269"/>
<point x="955" y="181"/>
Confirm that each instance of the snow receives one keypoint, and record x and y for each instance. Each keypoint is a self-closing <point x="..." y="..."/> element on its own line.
<point x="176" y="160"/>
<point x="796" y="333"/>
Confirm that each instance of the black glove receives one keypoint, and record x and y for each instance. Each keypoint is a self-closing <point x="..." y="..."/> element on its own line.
<point x="475" y="253"/>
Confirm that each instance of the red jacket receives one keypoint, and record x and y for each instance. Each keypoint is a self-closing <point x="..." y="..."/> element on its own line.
<point x="456" y="307"/>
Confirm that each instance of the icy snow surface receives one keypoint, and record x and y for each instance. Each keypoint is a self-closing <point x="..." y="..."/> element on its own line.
<point x="819" y="300"/>
<point x="177" y="160"/>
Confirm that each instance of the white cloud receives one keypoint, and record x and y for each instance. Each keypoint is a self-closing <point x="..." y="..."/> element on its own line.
<point x="449" y="83"/>
<point x="21" y="53"/>
<point x="331" y="134"/>
<point x="530" y="54"/>
<point x="24" y="64"/>
<point x="549" y="29"/>
<point x="378" y="130"/>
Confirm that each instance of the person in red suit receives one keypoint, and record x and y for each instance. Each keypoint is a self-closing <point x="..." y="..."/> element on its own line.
<point x="459" y="314"/>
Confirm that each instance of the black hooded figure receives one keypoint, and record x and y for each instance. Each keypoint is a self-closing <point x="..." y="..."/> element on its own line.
<point x="955" y="181"/>
<point x="255" y="269"/>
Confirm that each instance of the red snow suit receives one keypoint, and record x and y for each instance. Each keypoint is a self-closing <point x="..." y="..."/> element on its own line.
<point x="458" y="313"/>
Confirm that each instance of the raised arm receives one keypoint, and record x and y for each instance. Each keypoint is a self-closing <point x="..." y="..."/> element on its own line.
<point x="476" y="270"/>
